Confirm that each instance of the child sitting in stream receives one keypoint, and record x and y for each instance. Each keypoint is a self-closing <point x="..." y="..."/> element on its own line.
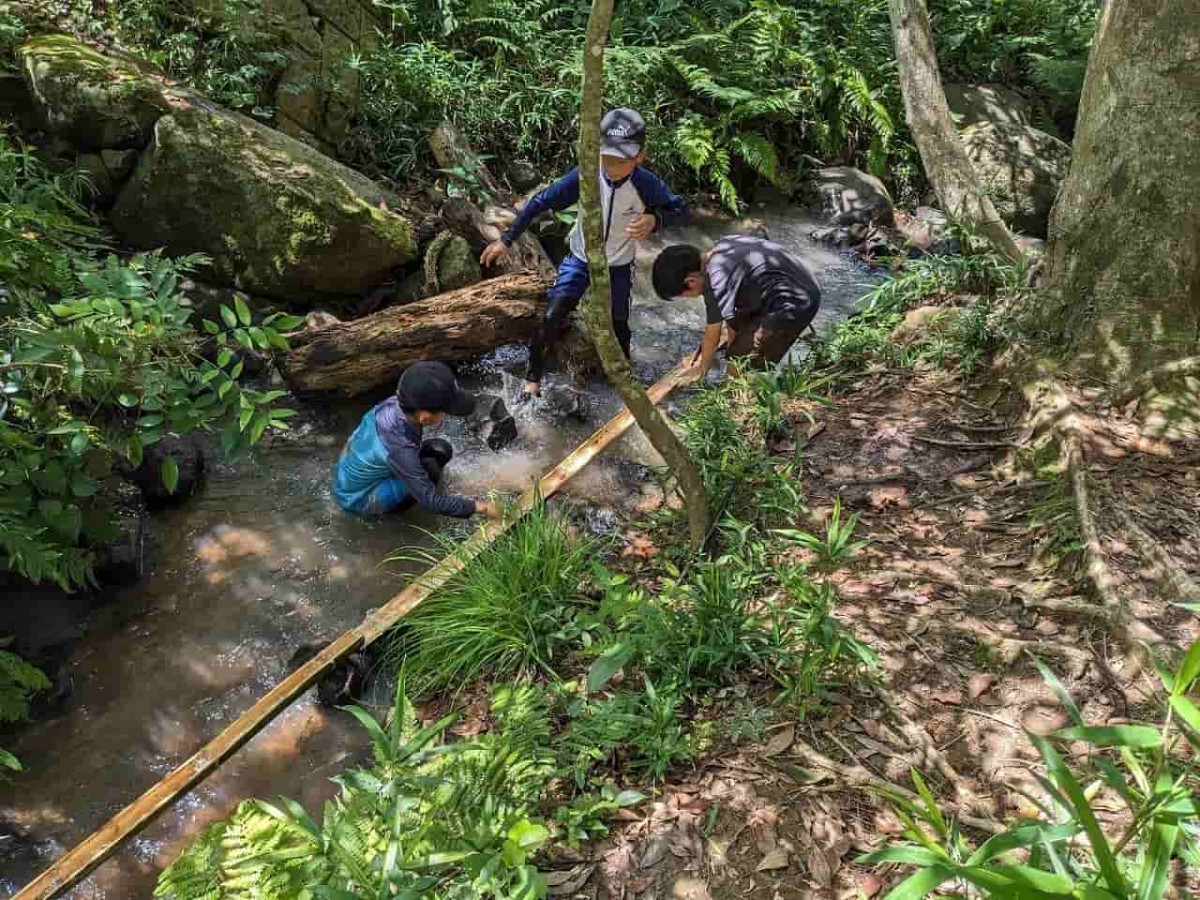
<point x="385" y="466"/>
<point x="634" y="204"/>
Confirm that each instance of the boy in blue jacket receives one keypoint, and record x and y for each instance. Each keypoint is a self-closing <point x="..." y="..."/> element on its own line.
<point x="634" y="203"/>
<point x="386" y="465"/>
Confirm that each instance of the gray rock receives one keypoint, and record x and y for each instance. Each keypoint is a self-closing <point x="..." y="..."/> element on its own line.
<point x="522" y="175"/>
<point x="492" y="421"/>
<point x="121" y="558"/>
<point x="972" y="104"/>
<point x="851" y="196"/>
<point x="189" y="457"/>
<point x="1021" y="169"/>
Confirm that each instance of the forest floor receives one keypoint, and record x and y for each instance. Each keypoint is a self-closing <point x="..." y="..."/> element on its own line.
<point x="974" y="568"/>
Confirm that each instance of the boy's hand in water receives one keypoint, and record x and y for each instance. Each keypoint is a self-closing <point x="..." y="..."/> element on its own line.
<point x="493" y="253"/>
<point x="641" y="227"/>
<point x="488" y="509"/>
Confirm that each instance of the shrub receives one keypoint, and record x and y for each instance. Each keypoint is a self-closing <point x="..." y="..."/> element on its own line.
<point x="512" y="608"/>
<point x="1149" y="771"/>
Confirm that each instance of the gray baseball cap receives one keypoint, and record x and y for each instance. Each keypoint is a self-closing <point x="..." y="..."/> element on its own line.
<point x="622" y="133"/>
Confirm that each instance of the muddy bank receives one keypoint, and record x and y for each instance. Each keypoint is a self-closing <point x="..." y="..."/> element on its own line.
<point x="260" y="562"/>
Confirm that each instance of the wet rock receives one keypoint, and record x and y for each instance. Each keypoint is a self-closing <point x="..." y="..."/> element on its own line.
<point x="561" y="401"/>
<point x="752" y="226"/>
<point x="972" y="104"/>
<point x="189" y="457"/>
<point x="121" y="556"/>
<point x="851" y="196"/>
<point x="94" y="101"/>
<point x="346" y="682"/>
<point x="492" y="421"/>
<point x="450" y="264"/>
<point x="1021" y="169"/>
<point x="927" y="231"/>
<point x="522" y="174"/>
<point x="275" y="216"/>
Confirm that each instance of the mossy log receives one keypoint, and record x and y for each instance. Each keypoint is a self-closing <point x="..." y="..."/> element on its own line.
<point x="370" y="353"/>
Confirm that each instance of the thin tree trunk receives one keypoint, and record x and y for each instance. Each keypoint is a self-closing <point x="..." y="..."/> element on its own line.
<point x="928" y="116"/>
<point x="597" y="306"/>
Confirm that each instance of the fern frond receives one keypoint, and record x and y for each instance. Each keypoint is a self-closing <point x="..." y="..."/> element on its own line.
<point x="758" y="153"/>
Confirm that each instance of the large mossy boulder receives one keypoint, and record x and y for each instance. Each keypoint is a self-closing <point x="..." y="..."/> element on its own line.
<point x="276" y="216"/>
<point x="93" y="101"/>
<point x="1021" y="169"/>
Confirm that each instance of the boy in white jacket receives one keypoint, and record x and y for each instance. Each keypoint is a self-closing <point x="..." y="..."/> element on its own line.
<point x="635" y="203"/>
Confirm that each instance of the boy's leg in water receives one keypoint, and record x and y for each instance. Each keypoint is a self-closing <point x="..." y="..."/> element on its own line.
<point x="621" y="278"/>
<point x="561" y="300"/>
<point x="435" y="455"/>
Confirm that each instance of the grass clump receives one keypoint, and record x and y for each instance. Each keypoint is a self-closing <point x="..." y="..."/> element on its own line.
<point x="513" y="608"/>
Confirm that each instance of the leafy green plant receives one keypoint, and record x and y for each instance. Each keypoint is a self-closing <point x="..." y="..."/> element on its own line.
<point x="427" y="819"/>
<point x="836" y="546"/>
<point x="514" y="607"/>
<point x="1148" y="770"/>
<point x="585" y="817"/>
<point x="99" y="360"/>
<point x="19" y="681"/>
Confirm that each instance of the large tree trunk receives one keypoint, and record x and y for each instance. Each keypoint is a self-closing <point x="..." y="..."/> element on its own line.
<point x="928" y="116"/>
<point x="370" y="353"/>
<point x="1124" y="259"/>
<point x="597" y="308"/>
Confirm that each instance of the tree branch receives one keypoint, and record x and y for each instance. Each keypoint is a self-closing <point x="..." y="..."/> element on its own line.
<point x="597" y="308"/>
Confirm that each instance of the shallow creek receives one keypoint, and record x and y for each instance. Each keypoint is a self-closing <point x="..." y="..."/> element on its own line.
<point x="260" y="562"/>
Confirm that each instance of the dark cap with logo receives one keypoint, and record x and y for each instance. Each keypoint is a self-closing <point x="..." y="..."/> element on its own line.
<point x="431" y="386"/>
<point x="622" y="133"/>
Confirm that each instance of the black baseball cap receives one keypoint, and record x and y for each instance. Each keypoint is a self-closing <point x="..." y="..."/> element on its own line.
<point x="622" y="133"/>
<point x="431" y="386"/>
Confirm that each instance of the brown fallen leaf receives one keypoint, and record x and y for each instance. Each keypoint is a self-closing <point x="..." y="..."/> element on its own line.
<point x="773" y="861"/>
<point x="949" y="696"/>
<point x="691" y="889"/>
<point x="568" y="881"/>
<point x="780" y="741"/>
<point x="979" y="684"/>
<point x="869" y="885"/>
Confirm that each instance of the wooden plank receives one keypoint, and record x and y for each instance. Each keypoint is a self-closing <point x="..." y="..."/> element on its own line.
<point x="71" y="868"/>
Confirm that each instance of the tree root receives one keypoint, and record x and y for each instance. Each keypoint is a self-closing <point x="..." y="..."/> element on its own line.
<point x="857" y="775"/>
<point x="1097" y="569"/>
<point x="1155" y="378"/>
<point x="931" y="755"/>
<point x="1182" y="584"/>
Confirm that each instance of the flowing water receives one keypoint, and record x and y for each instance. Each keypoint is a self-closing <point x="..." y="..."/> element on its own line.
<point x="260" y="562"/>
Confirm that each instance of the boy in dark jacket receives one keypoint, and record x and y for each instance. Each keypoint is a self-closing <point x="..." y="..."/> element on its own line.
<point x="386" y="466"/>
<point x="760" y="292"/>
<point x="635" y="203"/>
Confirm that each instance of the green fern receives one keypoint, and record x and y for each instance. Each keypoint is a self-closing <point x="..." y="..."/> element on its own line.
<point x="18" y="682"/>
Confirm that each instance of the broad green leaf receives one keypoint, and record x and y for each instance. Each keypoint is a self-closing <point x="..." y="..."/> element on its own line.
<point x="79" y="443"/>
<point x="629" y="798"/>
<point x="528" y="835"/>
<point x="1187" y="710"/>
<point x="920" y="884"/>
<point x="224" y="357"/>
<point x="1189" y="670"/>
<point x="1020" y="837"/>
<point x="243" y="311"/>
<point x="933" y="814"/>
<point x="907" y="855"/>
<point x="1137" y="736"/>
<point x="211" y="327"/>
<point x="608" y="664"/>
<point x="83" y="486"/>
<point x="228" y="316"/>
<point x="1062" y="777"/>
<point x="133" y="450"/>
<point x="170" y="473"/>
<point x="8" y="761"/>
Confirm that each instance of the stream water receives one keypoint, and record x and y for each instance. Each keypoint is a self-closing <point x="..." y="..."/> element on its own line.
<point x="260" y="562"/>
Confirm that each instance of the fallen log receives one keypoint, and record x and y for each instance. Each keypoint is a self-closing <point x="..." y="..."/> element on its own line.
<point x="363" y="355"/>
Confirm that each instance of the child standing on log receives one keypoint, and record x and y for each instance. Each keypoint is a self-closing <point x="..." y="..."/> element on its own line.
<point x="635" y="203"/>
<point x="386" y="466"/>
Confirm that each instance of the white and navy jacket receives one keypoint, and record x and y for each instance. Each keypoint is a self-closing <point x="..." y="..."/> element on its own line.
<point x="620" y="203"/>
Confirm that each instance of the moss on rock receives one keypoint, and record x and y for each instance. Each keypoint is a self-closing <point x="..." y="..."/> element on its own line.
<point x="275" y="215"/>
<point x="96" y="102"/>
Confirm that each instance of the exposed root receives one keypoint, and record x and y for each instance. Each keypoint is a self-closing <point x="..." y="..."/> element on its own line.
<point x="857" y="775"/>
<point x="1067" y="606"/>
<point x="965" y="445"/>
<point x="931" y="755"/>
<point x="1097" y="568"/>
<point x="1156" y="378"/>
<point x="1182" y="584"/>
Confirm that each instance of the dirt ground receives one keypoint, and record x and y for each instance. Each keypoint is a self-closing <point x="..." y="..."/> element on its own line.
<point x="973" y="570"/>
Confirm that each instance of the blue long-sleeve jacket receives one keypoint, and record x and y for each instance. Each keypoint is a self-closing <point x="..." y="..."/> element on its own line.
<point x="385" y="446"/>
<point x="620" y="202"/>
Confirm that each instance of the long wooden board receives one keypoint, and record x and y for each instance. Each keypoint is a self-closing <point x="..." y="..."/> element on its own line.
<point x="72" y="867"/>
